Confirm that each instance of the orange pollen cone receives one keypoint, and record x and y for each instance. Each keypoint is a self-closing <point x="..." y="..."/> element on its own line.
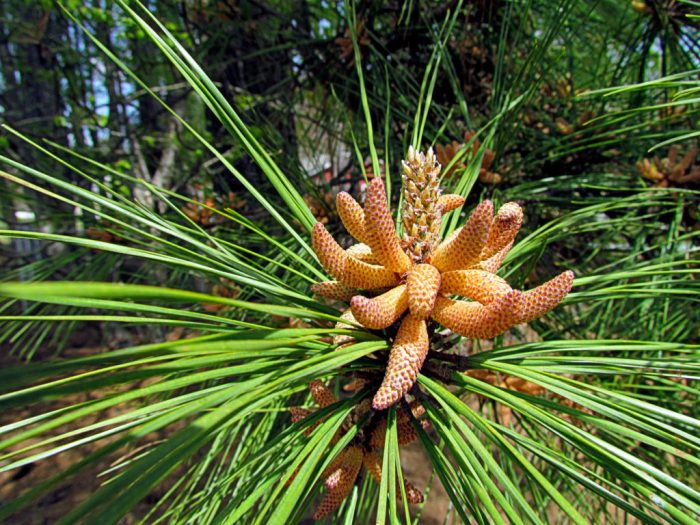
<point x="346" y="269"/>
<point x="423" y="283"/>
<point x="360" y="274"/>
<point x="405" y="361"/>
<point x="475" y="320"/>
<point x="503" y="230"/>
<point x="465" y="248"/>
<point x="346" y="479"/>
<point x="477" y="285"/>
<point x="382" y="237"/>
<point x="450" y="202"/>
<point x="344" y="339"/>
<point x="538" y="301"/>
<point x="381" y="311"/>
<point x="362" y="252"/>
<point x="322" y="394"/>
<point x="352" y="215"/>
<point x="492" y="264"/>
<point x="334" y="290"/>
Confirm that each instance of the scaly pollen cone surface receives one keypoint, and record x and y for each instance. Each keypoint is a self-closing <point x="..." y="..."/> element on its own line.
<point x="363" y="450"/>
<point x="412" y="278"/>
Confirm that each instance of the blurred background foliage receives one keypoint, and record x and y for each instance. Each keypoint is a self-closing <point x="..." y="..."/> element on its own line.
<point x="585" y="112"/>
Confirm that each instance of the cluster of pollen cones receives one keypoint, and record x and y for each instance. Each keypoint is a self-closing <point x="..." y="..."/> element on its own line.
<point x="415" y="278"/>
<point x="340" y="475"/>
<point x="671" y="170"/>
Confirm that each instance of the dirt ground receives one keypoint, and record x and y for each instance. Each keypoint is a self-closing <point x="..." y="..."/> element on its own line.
<point x="417" y="469"/>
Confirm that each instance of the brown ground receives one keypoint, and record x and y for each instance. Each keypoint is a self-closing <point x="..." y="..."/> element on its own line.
<point x="417" y="469"/>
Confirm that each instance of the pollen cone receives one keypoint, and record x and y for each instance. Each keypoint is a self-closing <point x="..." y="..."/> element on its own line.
<point x="465" y="248"/>
<point x="333" y="474"/>
<point x="381" y="311"/>
<point x="345" y="339"/>
<point x="538" y="301"/>
<point x="346" y="479"/>
<point x="405" y="360"/>
<point x="406" y="433"/>
<point x="423" y="284"/>
<point x="298" y="414"/>
<point x="331" y="256"/>
<point x="381" y="232"/>
<point x="362" y="252"/>
<point x="504" y="228"/>
<point x="368" y="276"/>
<point x="334" y="290"/>
<point x="475" y="320"/>
<point x="477" y="285"/>
<point x="492" y="264"/>
<point x="348" y="270"/>
<point x="450" y="202"/>
<point x="352" y="215"/>
<point x="322" y="394"/>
